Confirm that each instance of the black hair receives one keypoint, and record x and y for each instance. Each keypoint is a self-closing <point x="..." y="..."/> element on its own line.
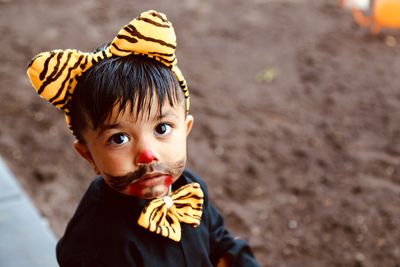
<point x="118" y="81"/>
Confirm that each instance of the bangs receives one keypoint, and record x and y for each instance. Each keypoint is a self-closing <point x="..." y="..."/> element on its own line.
<point x="120" y="81"/>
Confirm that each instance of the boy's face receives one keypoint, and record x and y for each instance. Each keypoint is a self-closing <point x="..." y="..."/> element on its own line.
<point x="139" y="156"/>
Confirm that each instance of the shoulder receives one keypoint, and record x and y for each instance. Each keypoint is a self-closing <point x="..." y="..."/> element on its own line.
<point x="88" y="232"/>
<point x="90" y="203"/>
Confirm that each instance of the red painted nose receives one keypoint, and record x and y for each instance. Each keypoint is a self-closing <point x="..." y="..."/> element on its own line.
<point x="146" y="157"/>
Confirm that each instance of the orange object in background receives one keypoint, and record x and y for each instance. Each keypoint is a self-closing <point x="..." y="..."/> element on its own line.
<point x="384" y="14"/>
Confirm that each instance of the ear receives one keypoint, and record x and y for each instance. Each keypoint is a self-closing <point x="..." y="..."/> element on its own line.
<point x="189" y="124"/>
<point x="84" y="152"/>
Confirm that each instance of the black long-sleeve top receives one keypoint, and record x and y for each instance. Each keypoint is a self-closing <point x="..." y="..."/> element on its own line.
<point x="104" y="233"/>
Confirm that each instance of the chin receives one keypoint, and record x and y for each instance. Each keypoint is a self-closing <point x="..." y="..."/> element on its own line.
<point x="148" y="192"/>
<point x="156" y="193"/>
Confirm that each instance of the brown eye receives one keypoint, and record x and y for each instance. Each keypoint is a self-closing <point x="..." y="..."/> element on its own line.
<point x="162" y="129"/>
<point x="118" y="139"/>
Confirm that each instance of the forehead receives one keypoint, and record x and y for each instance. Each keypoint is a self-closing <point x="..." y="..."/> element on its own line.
<point x="149" y="111"/>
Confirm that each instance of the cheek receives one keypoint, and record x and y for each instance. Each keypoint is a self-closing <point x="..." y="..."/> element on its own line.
<point x="178" y="145"/>
<point x="116" y="163"/>
<point x="173" y="154"/>
<point x="173" y="146"/>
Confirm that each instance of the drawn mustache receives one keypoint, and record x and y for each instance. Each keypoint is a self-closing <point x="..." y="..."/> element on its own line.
<point x="119" y="183"/>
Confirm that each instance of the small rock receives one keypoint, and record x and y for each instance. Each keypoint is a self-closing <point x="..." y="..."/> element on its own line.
<point x="255" y="231"/>
<point x="359" y="257"/>
<point x="268" y="75"/>
<point x="39" y="116"/>
<point x="390" y="41"/>
<point x="380" y="242"/>
<point x="292" y="224"/>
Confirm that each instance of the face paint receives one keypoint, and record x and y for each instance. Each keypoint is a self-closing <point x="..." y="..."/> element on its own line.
<point x="169" y="181"/>
<point x="146" y="157"/>
<point x="149" y="181"/>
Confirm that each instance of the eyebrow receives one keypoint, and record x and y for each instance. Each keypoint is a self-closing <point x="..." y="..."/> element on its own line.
<point x="106" y="127"/>
<point x="166" y="115"/>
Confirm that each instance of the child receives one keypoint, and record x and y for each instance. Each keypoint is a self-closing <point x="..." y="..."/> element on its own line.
<point x="127" y="104"/>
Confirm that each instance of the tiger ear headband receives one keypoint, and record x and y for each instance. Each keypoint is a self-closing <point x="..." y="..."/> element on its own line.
<point x="55" y="74"/>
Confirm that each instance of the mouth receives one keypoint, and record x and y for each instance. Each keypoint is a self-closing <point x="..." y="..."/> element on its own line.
<point x="149" y="175"/>
<point x="151" y="179"/>
<point x="152" y="175"/>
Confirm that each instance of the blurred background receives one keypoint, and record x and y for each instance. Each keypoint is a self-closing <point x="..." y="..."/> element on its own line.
<point x="297" y="114"/>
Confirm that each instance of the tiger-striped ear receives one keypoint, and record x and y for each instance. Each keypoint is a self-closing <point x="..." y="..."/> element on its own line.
<point x="54" y="74"/>
<point x="152" y="35"/>
<point x="149" y="34"/>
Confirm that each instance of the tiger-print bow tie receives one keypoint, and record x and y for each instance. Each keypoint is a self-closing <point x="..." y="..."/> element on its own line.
<point x="164" y="215"/>
<point x="55" y="74"/>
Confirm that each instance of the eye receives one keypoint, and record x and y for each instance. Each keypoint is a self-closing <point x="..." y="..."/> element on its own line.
<point x="162" y="129"/>
<point x="118" y="139"/>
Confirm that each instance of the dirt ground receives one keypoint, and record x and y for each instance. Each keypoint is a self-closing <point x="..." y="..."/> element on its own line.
<point x="297" y="115"/>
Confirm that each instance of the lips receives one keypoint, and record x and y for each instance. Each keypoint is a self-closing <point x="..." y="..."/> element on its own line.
<point x="150" y="185"/>
<point x="152" y="179"/>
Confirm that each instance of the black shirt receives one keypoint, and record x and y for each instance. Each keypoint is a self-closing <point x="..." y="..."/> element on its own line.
<point x="104" y="233"/>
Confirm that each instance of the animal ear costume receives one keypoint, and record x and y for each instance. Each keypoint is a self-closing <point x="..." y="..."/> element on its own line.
<point x="55" y="74"/>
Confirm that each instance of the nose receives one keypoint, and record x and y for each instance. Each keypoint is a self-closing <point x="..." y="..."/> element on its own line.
<point x="145" y="157"/>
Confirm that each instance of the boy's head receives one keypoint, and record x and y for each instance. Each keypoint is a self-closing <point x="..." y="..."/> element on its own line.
<point x="126" y="103"/>
<point x="130" y="119"/>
